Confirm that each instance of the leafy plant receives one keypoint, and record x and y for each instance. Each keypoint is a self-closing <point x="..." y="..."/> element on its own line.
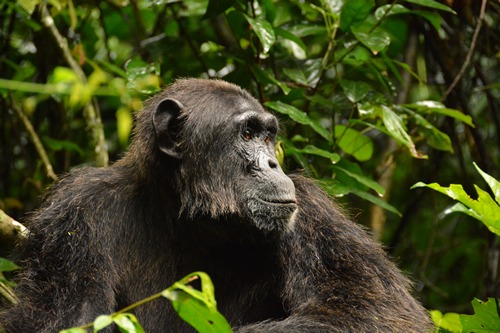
<point x="197" y="307"/>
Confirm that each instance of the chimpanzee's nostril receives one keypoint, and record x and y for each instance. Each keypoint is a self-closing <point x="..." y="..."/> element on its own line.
<point x="273" y="164"/>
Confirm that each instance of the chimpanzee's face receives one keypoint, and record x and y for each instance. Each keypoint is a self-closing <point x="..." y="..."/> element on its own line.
<point x="225" y="141"/>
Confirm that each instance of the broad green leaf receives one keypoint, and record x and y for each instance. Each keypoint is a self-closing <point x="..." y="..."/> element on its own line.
<point x="264" y="31"/>
<point x="437" y="107"/>
<point x="492" y="183"/>
<point x="485" y="318"/>
<point x="484" y="209"/>
<point x="397" y="129"/>
<point x="290" y="36"/>
<point x="435" y="138"/>
<point x="299" y="116"/>
<point x="64" y="75"/>
<point x="432" y="4"/>
<point x="354" y="12"/>
<point x="102" y="321"/>
<point x="296" y="75"/>
<point x="7" y="266"/>
<point x="355" y="90"/>
<point x="198" y="308"/>
<point x="310" y="149"/>
<point x="449" y="321"/>
<point x="377" y="201"/>
<point x="127" y="323"/>
<point x="304" y="30"/>
<point x="354" y="171"/>
<point x="376" y="40"/>
<point x="334" y="187"/>
<point x="354" y="143"/>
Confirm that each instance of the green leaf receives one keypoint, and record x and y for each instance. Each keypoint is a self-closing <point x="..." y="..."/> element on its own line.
<point x="437" y="107"/>
<point x="7" y="266"/>
<point x="393" y="10"/>
<point x="484" y="209"/>
<point x="299" y="116"/>
<point x="432" y="4"/>
<point x="74" y="330"/>
<point x="310" y="149"/>
<point x="397" y="129"/>
<point x="355" y="90"/>
<point x="354" y="143"/>
<point x="198" y="308"/>
<point x="290" y="36"/>
<point x="127" y="323"/>
<point x="449" y="321"/>
<point x="354" y="12"/>
<point x="123" y="125"/>
<point x="377" y="201"/>
<point x="354" y="171"/>
<point x="102" y="321"/>
<point x="435" y="138"/>
<point x="376" y="40"/>
<point x="485" y="318"/>
<point x="296" y="75"/>
<point x="492" y="183"/>
<point x="264" y="31"/>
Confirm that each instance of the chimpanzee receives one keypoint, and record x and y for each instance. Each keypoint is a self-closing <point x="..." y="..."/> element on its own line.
<point x="200" y="189"/>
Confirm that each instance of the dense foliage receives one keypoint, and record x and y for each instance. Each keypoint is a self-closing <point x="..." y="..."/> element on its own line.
<point x="374" y="96"/>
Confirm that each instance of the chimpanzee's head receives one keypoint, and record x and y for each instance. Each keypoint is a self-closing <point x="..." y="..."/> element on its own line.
<point x="222" y="142"/>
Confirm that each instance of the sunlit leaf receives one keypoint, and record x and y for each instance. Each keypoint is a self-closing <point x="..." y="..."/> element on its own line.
<point x="127" y="323"/>
<point x="354" y="143"/>
<point x="299" y="116"/>
<point x="376" y="40"/>
<point x="397" y="129"/>
<point x="7" y="266"/>
<point x="449" y="321"/>
<point x="310" y="149"/>
<point x="437" y="107"/>
<point x="102" y="321"/>
<point x="355" y="90"/>
<point x="484" y="209"/>
<point x="198" y="308"/>
<point x="485" y="318"/>
<point x="74" y="330"/>
<point x="492" y="183"/>
<point x="124" y="122"/>
<point x="264" y="31"/>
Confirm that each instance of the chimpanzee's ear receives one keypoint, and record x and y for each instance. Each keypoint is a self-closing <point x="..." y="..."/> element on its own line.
<point x="167" y="126"/>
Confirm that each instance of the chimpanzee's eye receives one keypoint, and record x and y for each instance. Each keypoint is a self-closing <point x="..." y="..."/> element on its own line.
<point x="247" y="134"/>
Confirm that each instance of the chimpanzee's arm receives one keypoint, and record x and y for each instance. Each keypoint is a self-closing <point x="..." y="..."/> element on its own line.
<point x="66" y="273"/>
<point x="337" y="279"/>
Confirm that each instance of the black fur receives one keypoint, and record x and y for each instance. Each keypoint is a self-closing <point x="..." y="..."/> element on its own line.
<point x="200" y="189"/>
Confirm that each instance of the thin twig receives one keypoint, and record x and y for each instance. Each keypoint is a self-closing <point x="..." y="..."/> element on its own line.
<point x="472" y="47"/>
<point x="91" y="111"/>
<point x="36" y="141"/>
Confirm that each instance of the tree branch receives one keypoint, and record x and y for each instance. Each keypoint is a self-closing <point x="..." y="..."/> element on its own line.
<point x="91" y="111"/>
<point x="468" y="58"/>
<point x="36" y="140"/>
